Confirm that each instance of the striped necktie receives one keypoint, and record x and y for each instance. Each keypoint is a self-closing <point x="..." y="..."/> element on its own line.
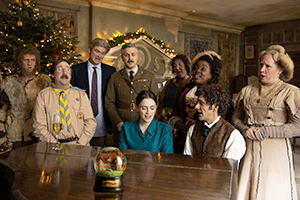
<point x="94" y="96"/>
<point x="63" y="106"/>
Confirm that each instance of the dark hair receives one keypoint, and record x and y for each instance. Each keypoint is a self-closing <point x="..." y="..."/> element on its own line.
<point x="99" y="42"/>
<point x="215" y="94"/>
<point x="215" y="67"/>
<point x="145" y="94"/>
<point x="127" y="45"/>
<point x="56" y="62"/>
<point x="32" y="50"/>
<point x="185" y="59"/>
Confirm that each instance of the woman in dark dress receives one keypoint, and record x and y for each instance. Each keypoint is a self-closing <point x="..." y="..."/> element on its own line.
<point x="181" y="67"/>
<point x="206" y="70"/>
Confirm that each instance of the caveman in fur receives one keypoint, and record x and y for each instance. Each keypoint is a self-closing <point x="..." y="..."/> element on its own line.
<point x="17" y="99"/>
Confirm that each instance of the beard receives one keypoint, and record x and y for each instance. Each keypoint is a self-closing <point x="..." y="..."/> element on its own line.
<point x="25" y="73"/>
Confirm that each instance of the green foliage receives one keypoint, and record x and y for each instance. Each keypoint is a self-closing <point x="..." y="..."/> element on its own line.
<point x="120" y="39"/>
<point x="23" y="24"/>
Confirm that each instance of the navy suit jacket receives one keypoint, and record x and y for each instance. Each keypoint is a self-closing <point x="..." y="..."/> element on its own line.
<point x="80" y="79"/>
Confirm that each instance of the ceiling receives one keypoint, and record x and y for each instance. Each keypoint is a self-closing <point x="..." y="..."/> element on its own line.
<point x="229" y="14"/>
<point x="235" y="14"/>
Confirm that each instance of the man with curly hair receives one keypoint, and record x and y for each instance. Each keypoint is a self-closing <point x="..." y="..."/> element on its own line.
<point x="212" y="135"/>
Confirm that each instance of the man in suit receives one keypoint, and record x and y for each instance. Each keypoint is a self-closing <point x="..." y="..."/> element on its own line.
<point x="123" y="87"/>
<point x="93" y="76"/>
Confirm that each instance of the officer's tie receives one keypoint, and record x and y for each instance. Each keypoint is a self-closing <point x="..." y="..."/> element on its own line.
<point x="63" y="106"/>
<point x="131" y="74"/>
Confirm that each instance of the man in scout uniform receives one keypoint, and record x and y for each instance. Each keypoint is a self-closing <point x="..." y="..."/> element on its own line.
<point x="214" y="136"/>
<point x="123" y="87"/>
<point x="78" y="123"/>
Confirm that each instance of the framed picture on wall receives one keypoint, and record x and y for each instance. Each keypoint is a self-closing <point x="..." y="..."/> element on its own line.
<point x="249" y="51"/>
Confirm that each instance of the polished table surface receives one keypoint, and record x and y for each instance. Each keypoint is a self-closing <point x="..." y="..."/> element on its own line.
<point x="69" y="174"/>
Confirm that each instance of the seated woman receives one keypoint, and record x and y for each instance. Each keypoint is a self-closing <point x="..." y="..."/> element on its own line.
<point x="146" y="133"/>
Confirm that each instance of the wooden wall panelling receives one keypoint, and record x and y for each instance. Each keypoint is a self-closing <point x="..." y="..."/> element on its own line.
<point x="285" y="33"/>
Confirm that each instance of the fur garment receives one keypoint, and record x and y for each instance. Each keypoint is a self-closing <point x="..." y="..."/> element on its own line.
<point x="22" y="97"/>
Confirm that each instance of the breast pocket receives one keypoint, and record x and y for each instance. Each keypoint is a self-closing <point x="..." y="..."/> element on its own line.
<point x="122" y="90"/>
<point x="143" y="85"/>
<point x="75" y="106"/>
<point x="77" y="114"/>
<point x="51" y="108"/>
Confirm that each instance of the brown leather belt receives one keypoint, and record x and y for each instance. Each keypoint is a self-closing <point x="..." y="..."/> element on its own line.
<point x="129" y="106"/>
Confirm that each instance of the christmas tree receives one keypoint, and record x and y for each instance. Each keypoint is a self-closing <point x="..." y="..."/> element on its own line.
<point x="23" y="24"/>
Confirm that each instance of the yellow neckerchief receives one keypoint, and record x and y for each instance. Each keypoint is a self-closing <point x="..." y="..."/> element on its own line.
<point x="63" y="106"/>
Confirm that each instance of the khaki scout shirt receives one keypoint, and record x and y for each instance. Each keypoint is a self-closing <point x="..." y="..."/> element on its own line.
<point x="82" y="118"/>
<point x="118" y="92"/>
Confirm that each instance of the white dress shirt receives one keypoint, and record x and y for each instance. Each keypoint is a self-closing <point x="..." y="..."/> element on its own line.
<point x="135" y="70"/>
<point x="101" y="128"/>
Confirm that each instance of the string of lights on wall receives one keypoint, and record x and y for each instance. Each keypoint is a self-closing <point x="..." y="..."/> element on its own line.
<point x="122" y="38"/>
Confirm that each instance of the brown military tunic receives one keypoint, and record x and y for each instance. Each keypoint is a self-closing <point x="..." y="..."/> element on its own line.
<point x="120" y="100"/>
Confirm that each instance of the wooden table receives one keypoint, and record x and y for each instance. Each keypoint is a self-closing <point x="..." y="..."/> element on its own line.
<point x="69" y="174"/>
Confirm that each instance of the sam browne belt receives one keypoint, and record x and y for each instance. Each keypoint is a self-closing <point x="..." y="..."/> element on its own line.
<point x="130" y="106"/>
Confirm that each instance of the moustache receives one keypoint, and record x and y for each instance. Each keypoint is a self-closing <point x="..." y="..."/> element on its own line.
<point x="130" y="61"/>
<point x="64" y="76"/>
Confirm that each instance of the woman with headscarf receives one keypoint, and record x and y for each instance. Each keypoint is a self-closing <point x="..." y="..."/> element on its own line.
<point x="267" y="114"/>
<point x="206" y="70"/>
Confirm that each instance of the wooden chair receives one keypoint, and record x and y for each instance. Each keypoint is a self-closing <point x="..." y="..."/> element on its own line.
<point x="10" y="181"/>
<point x="252" y="79"/>
<point x="240" y="81"/>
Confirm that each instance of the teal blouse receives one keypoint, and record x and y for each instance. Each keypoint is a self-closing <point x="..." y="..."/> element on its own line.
<point x="158" y="137"/>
